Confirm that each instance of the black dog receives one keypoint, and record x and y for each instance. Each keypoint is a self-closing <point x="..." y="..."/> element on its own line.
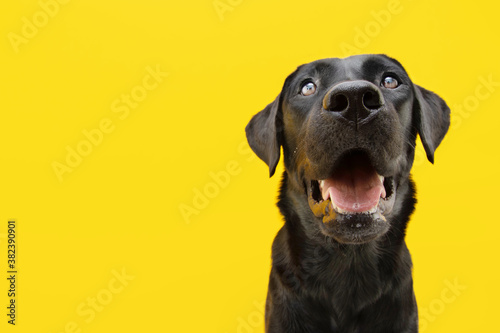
<point x="348" y="129"/>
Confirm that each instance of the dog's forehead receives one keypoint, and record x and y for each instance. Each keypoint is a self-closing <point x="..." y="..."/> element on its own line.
<point x="350" y="68"/>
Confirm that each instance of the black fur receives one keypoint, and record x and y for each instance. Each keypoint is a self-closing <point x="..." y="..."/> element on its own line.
<point x="333" y="276"/>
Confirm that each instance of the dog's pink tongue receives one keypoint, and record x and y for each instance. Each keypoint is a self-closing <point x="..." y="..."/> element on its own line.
<point x="354" y="188"/>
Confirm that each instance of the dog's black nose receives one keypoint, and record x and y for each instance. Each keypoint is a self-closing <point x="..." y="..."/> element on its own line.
<point x="354" y="100"/>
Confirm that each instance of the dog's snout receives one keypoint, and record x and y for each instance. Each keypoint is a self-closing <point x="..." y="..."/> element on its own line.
<point x="354" y="100"/>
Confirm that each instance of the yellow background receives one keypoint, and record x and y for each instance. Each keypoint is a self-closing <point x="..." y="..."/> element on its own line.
<point x="119" y="210"/>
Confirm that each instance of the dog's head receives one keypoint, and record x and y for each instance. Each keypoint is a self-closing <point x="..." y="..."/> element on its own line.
<point x="348" y="129"/>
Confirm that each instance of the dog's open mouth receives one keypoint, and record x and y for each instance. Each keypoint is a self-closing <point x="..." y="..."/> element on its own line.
<point x="353" y="188"/>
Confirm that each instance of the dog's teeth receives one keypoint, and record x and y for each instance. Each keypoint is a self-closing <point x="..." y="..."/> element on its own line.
<point x="335" y="208"/>
<point x="381" y="178"/>
<point x="338" y="209"/>
<point x="321" y="184"/>
<point x="343" y="211"/>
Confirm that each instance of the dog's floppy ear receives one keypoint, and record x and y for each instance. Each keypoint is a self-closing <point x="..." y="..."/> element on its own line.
<point x="264" y="133"/>
<point x="432" y="119"/>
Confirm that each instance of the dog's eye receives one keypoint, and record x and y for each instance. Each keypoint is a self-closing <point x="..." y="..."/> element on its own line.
<point x="308" y="89"/>
<point x="390" y="83"/>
